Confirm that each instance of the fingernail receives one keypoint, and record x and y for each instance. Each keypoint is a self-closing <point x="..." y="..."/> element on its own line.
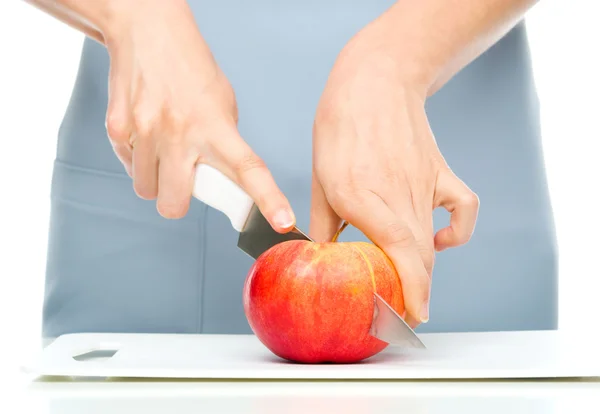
<point x="425" y="312"/>
<point x="284" y="219"/>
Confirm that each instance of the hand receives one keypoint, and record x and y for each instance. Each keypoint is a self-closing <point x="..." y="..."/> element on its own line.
<point x="171" y="107"/>
<point x="376" y="165"/>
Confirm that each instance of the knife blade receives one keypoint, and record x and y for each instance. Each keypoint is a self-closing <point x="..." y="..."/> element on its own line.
<point x="389" y="327"/>
<point x="256" y="235"/>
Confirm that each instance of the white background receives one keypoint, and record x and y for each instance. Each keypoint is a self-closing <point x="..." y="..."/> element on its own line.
<point x="38" y="62"/>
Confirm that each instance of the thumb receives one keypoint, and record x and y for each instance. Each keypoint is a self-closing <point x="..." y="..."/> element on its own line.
<point x="324" y="222"/>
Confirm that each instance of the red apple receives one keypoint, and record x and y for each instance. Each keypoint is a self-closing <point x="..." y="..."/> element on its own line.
<point x="313" y="302"/>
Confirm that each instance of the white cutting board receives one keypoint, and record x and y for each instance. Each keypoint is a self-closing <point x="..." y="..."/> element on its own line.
<point x="492" y="355"/>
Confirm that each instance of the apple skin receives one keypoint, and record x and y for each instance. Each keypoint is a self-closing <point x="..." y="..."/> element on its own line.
<point x="313" y="302"/>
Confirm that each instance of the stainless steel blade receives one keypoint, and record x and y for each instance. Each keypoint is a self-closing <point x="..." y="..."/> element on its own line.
<point x="258" y="235"/>
<point x="391" y="328"/>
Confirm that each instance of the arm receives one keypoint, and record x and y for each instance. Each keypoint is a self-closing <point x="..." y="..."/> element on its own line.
<point x="440" y="37"/>
<point x="170" y="107"/>
<point x="101" y="20"/>
<point x="85" y="16"/>
<point x="388" y="174"/>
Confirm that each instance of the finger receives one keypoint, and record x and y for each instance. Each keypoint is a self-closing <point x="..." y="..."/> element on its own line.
<point x="404" y="205"/>
<point x="125" y="156"/>
<point x="145" y="168"/>
<point x="424" y="215"/>
<point x="175" y="183"/>
<point x="423" y="242"/>
<point x="463" y="205"/>
<point x="324" y="222"/>
<point x="248" y="170"/>
<point x="118" y="123"/>
<point x="371" y="215"/>
<point x="411" y="321"/>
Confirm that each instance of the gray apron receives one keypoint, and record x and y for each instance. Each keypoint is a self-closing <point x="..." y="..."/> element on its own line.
<point x="115" y="265"/>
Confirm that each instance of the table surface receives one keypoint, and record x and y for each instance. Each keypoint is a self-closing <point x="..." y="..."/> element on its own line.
<point x="46" y="395"/>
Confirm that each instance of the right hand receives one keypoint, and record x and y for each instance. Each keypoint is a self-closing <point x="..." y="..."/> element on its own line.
<point x="170" y="108"/>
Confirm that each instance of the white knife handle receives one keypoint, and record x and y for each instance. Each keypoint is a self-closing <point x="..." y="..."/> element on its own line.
<point x="215" y="189"/>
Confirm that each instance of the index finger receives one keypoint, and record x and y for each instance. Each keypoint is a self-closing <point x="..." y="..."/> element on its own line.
<point x="247" y="169"/>
<point x="463" y="205"/>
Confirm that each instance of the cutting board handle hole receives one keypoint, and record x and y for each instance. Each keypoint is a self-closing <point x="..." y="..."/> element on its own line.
<point x="95" y="355"/>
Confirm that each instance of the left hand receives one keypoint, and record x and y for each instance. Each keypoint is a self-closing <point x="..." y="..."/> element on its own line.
<point x="377" y="166"/>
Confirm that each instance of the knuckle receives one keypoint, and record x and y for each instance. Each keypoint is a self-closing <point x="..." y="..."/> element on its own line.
<point x="470" y="200"/>
<point x="177" y="119"/>
<point x="117" y="125"/>
<point x="248" y="163"/>
<point x="143" y="121"/>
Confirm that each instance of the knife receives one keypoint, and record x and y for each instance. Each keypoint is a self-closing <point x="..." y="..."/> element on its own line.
<point x="389" y="327"/>
<point x="256" y="235"/>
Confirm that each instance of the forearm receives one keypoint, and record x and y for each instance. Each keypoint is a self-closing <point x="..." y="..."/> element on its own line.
<point x="88" y="17"/>
<point x="435" y="39"/>
<point x="101" y="19"/>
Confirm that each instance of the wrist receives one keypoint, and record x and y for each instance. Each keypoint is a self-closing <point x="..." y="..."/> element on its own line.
<point x="372" y="56"/>
<point x="113" y="18"/>
<point x="398" y="37"/>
